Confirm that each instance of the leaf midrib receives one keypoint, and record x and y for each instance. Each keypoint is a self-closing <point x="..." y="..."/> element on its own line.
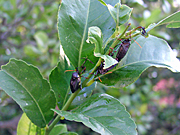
<point x="145" y="61"/>
<point x="89" y="117"/>
<point x="10" y="75"/>
<point x="132" y="64"/>
<point x="84" y="34"/>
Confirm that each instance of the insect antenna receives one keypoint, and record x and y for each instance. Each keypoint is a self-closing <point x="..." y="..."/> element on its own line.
<point x="136" y="42"/>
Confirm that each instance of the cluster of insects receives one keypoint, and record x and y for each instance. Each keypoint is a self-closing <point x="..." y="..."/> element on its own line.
<point x="75" y="82"/>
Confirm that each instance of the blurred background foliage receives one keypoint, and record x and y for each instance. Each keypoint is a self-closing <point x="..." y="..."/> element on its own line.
<point x="28" y="31"/>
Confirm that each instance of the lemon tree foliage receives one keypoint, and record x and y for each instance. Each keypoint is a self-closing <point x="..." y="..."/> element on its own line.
<point x="91" y="43"/>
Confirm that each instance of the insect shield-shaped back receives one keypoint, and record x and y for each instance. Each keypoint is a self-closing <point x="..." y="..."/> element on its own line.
<point x="123" y="49"/>
<point x="75" y="82"/>
<point x="100" y="69"/>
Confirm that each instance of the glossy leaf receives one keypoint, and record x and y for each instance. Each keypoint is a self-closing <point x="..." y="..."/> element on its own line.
<point x="108" y="60"/>
<point x="172" y="21"/>
<point x="26" y="127"/>
<point x="60" y="80"/>
<point x="154" y="52"/>
<point x="95" y="37"/>
<point x="25" y="84"/>
<point x="173" y="18"/>
<point x="120" y="13"/>
<point x="59" y="129"/>
<point x="74" y="19"/>
<point x="103" y="114"/>
<point x="83" y="95"/>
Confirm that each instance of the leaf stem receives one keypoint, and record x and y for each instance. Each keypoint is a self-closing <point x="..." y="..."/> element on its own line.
<point x="65" y="107"/>
<point x="68" y="103"/>
<point x="117" y="39"/>
<point x="71" y="98"/>
<point x="85" y="83"/>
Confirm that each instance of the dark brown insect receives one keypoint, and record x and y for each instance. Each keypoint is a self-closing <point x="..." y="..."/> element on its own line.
<point x="100" y="69"/>
<point x="75" y="82"/>
<point x="124" y="46"/>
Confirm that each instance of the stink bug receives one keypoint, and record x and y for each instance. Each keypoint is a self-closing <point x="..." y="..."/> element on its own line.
<point x="124" y="46"/>
<point x="75" y="82"/>
<point x="100" y="69"/>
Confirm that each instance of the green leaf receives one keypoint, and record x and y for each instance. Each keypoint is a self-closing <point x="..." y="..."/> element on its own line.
<point x="42" y="40"/>
<point x="103" y="114"/>
<point x="95" y="37"/>
<point x="60" y="80"/>
<point x="74" y="18"/>
<point x="108" y="60"/>
<point x="59" y="129"/>
<point x="69" y="133"/>
<point x="26" y="127"/>
<point x="173" y="18"/>
<point x="83" y="95"/>
<point x="120" y="13"/>
<point x="25" y="84"/>
<point x="31" y="51"/>
<point x="172" y="21"/>
<point x="174" y="25"/>
<point x="154" y="52"/>
<point x="102" y="2"/>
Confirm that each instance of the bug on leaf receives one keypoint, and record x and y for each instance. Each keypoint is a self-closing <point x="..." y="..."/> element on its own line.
<point x="75" y="82"/>
<point x="124" y="46"/>
<point x="122" y="50"/>
<point x="100" y="69"/>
